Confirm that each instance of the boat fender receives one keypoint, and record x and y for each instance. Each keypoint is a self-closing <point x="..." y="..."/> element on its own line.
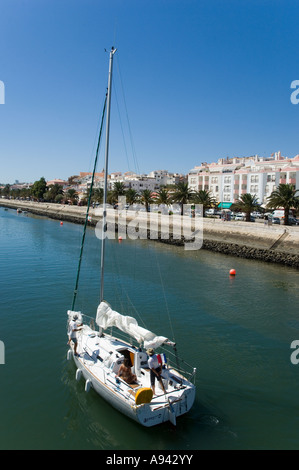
<point x="78" y="374"/>
<point x="143" y="395"/>
<point x="69" y="355"/>
<point x="87" y="385"/>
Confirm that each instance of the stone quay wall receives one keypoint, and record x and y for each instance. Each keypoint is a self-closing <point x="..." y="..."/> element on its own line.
<point x="269" y="243"/>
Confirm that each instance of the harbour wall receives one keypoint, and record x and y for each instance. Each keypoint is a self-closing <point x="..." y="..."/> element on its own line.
<point x="273" y="243"/>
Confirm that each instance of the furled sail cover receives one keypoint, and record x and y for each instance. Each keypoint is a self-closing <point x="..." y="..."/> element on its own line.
<point x="106" y="317"/>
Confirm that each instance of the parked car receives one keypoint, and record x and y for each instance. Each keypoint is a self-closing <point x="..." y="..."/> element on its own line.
<point x="210" y="212"/>
<point x="275" y="220"/>
<point x="257" y="215"/>
<point x="239" y="217"/>
<point x="293" y="221"/>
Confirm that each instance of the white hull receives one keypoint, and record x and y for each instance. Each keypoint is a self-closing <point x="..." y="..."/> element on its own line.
<point x="97" y="363"/>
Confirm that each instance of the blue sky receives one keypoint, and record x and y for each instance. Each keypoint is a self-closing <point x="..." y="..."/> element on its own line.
<point x="193" y="81"/>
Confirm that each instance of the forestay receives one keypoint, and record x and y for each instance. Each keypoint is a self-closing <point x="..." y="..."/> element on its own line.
<point x="106" y="317"/>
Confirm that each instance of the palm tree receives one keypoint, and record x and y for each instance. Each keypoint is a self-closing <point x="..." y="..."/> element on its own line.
<point x="146" y="198"/>
<point x="246" y="203"/>
<point x="131" y="196"/>
<point x="163" y="199"/>
<point x="72" y="195"/>
<point x="163" y="196"/>
<point x="284" y="196"/>
<point x="205" y="198"/>
<point x="97" y="195"/>
<point x="182" y="195"/>
<point x="117" y="191"/>
<point x="119" y="188"/>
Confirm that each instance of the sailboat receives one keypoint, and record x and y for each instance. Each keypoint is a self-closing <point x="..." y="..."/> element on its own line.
<point x="98" y="354"/>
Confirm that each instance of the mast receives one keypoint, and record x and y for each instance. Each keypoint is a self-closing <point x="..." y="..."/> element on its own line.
<point x="104" y="223"/>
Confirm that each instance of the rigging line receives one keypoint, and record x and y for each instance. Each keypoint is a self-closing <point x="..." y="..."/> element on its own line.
<point x="127" y="115"/>
<point x="135" y="310"/>
<point x="124" y="298"/>
<point x="91" y="161"/>
<point x="123" y="292"/>
<point x="88" y="206"/>
<point x="166" y="303"/>
<point x="118" y="288"/>
<point x="121" y="126"/>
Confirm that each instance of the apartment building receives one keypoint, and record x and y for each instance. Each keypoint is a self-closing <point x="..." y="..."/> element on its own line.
<point x="229" y="178"/>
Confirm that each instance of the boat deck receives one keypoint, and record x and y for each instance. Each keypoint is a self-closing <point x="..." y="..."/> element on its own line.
<point x="102" y="355"/>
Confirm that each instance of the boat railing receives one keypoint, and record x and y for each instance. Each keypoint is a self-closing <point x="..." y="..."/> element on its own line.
<point x="173" y="359"/>
<point x="90" y="321"/>
<point x="178" y="363"/>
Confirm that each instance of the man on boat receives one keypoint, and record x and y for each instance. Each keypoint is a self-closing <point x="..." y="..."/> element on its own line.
<point x="155" y="369"/>
<point x="73" y="328"/>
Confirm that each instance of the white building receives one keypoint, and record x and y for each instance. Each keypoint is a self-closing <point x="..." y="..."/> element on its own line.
<point x="228" y="179"/>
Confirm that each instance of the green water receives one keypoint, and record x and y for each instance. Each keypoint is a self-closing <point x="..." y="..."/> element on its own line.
<point x="236" y="332"/>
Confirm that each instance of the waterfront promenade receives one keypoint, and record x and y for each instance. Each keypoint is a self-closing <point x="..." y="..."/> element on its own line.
<point x="275" y="243"/>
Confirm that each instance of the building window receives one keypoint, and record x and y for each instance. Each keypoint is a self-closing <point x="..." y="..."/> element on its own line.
<point x="254" y="179"/>
<point x="254" y="188"/>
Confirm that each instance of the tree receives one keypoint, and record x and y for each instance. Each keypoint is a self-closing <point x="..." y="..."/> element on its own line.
<point x="246" y="203"/>
<point x="6" y="190"/>
<point x="38" y="188"/>
<point x="131" y="196"/>
<point x="59" y="198"/>
<point x="205" y="198"/>
<point x="284" y="196"/>
<point x="25" y="192"/>
<point x="53" y="191"/>
<point x="163" y="196"/>
<point x="182" y="195"/>
<point x="97" y="195"/>
<point x="72" y="179"/>
<point x="119" y="188"/>
<point x="163" y="199"/>
<point x="146" y="198"/>
<point x="72" y="195"/>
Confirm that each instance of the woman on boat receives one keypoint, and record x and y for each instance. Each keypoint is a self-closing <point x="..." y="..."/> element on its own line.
<point x="126" y="373"/>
